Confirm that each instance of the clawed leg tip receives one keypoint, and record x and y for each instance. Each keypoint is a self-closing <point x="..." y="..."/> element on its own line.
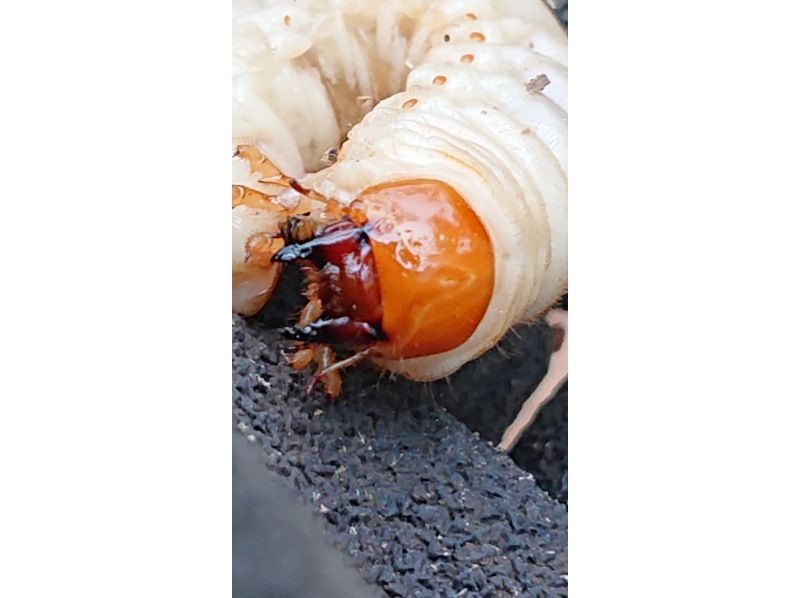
<point x="312" y="384"/>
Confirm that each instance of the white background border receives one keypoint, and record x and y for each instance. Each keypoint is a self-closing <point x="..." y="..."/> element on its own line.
<point x="116" y="324"/>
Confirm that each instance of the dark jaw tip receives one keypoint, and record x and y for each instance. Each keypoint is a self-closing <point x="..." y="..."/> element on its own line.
<point x="291" y="253"/>
<point x="296" y="333"/>
<point x="334" y="331"/>
<point x="335" y="238"/>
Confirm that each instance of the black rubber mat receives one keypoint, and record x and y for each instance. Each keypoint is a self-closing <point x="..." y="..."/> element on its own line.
<point x="420" y="503"/>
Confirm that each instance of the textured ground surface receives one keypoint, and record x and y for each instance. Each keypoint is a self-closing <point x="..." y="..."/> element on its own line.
<point x="278" y="541"/>
<point x="421" y="504"/>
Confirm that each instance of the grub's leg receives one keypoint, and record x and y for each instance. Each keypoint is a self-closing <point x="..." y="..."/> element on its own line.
<point x="329" y="371"/>
<point x="258" y="163"/>
<point x="304" y="355"/>
<point x="548" y="387"/>
<point x="301" y="357"/>
<point x="345" y="363"/>
<point x="331" y="382"/>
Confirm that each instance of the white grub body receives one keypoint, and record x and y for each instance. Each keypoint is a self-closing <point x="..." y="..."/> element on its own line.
<point x="252" y="285"/>
<point x="472" y="93"/>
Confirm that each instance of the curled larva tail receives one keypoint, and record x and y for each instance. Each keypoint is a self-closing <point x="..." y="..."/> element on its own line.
<point x="469" y="95"/>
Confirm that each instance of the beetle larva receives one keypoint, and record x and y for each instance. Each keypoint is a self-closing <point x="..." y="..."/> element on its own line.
<point x="441" y="221"/>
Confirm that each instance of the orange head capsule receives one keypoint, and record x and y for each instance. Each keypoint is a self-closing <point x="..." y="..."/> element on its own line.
<point x="410" y="271"/>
